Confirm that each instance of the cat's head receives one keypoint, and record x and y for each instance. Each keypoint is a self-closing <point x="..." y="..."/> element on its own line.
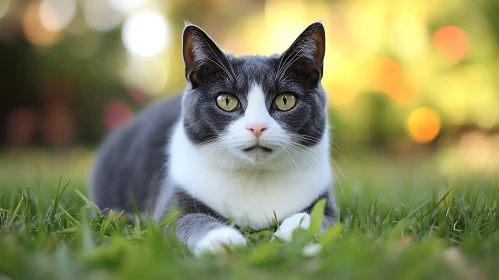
<point x="251" y="109"/>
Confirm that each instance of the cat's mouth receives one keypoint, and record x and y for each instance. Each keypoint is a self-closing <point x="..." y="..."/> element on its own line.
<point x="258" y="148"/>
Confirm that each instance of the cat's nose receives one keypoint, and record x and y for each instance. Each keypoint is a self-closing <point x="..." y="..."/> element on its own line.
<point x="257" y="129"/>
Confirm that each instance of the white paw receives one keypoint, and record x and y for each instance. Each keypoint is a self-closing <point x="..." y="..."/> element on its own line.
<point x="216" y="240"/>
<point x="312" y="249"/>
<point x="288" y="226"/>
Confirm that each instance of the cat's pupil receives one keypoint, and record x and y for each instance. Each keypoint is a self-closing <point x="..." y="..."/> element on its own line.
<point x="227" y="101"/>
<point x="285" y="100"/>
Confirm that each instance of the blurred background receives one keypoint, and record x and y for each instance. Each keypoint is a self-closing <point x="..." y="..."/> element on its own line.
<point x="413" y="85"/>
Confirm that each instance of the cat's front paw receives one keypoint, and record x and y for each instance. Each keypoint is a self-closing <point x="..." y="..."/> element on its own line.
<point x="217" y="239"/>
<point x="288" y="226"/>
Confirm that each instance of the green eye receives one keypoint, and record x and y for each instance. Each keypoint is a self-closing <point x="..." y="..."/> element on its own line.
<point x="285" y="101"/>
<point x="227" y="102"/>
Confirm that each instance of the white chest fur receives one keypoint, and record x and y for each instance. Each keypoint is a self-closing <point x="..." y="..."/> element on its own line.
<point x="251" y="195"/>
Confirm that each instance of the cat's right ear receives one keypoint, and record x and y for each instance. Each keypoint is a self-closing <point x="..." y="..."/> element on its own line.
<point x="201" y="55"/>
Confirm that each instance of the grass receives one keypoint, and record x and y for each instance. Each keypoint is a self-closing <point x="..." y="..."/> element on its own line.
<point x="409" y="229"/>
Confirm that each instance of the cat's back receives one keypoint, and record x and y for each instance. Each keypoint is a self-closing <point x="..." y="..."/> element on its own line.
<point x="131" y="159"/>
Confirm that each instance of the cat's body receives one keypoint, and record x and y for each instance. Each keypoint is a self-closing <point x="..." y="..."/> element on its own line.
<point x="249" y="144"/>
<point x="132" y="160"/>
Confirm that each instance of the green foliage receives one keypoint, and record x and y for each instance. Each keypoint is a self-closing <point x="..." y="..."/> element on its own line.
<point x="453" y="234"/>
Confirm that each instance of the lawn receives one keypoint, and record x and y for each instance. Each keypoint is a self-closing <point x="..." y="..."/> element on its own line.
<point x="399" y="220"/>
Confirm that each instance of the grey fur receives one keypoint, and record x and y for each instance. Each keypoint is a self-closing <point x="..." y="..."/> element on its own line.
<point x="132" y="160"/>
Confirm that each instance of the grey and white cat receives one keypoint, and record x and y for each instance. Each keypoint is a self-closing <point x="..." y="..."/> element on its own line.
<point x="247" y="139"/>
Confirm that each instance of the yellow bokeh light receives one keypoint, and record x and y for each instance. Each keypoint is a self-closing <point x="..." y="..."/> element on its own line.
<point x="284" y="20"/>
<point x="393" y="80"/>
<point x="408" y="37"/>
<point x="423" y="125"/>
<point x="33" y="28"/>
<point x="4" y="7"/>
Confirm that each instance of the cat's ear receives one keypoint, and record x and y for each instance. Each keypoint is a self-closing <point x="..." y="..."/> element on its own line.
<point x="306" y="54"/>
<point x="201" y="55"/>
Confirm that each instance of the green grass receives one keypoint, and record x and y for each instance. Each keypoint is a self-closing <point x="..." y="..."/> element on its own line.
<point x="409" y="229"/>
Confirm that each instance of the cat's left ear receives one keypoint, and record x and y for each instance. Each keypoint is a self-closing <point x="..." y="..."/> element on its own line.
<point x="201" y="55"/>
<point x="307" y="52"/>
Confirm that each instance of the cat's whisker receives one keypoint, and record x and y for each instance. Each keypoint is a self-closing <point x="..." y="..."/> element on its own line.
<point x="222" y="162"/>
<point x="231" y="75"/>
<point x="234" y="155"/>
<point x="331" y="141"/>
<point x="213" y="154"/>
<point x="247" y="161"/>
<point x="231" y="154"/>
<point x="287" y="158"/>
<point x="289" y="57"/>
<point x="314" y="140"/>
<point x="223" y="68"/>
<point x="310" y="157"/>
<point x="210" y="140"/>
<point x="300" y="146"/>
<point x="207" y="141"/>
<point x="220" y="152"/>
<point x="329" y="129"/>
<point x="333" y="169"/>
<point x="292" y="60"/>
<point x="330" y="158"/>
<point x="233" y="72"/>
<point x="303" y="157"/>
<point x="308" y="148"/>
<point x="189" y="126"/>
<point x="294" y="163"/>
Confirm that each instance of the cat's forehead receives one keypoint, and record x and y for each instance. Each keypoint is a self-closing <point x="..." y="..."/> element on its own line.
<point x="251" y="69"/>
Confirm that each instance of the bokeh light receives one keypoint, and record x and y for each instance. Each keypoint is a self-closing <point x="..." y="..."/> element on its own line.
<point x="408" y="37"/>
<point x="116" y="113"/>
<point x="475" y="148"/>
<point x="21" y="134"/>
<point x="126" y="5"/>
<point x="393" y="80"/>
<point x="138" y="96"/>
<point x="147" y="74"/>
<point x="57" y="125"/>
<point x="4" y="7"/>
<point x="284" y="20"/>
<point x="100" y="15"/>
<point x="145" y="33"/>
<point x="33" y="28"/>
<point x="57" y="14"/>
<point x="384" y="59"/>
<point x="452" y="42"/>
<point x="423" y="125"/>
<point x="340" y="94"/>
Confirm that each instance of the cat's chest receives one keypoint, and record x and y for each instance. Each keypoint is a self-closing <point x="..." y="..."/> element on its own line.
<point x="252" y="198"/>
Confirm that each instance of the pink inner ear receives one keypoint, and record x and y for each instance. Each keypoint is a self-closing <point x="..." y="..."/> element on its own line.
<point x="188" y="49"/>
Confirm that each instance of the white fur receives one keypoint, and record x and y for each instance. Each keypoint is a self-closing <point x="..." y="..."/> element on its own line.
<point x="312" y="249"/>
<point x="250" y="187"/>
<point x="216" y="239"/>
<point x="256" y="112"/>
<point x="288" y="226"/>
<point x="239" y="137"/>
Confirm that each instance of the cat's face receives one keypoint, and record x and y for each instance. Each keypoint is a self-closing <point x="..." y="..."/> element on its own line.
<point x="250" y="109"/>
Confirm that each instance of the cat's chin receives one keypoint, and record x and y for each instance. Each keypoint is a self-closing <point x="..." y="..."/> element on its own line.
<point x="257" y="154"/>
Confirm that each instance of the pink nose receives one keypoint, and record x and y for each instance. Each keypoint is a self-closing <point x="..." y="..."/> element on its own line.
<point x="257" y="129"/>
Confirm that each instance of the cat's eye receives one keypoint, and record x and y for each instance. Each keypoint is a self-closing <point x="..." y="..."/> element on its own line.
<point x="285" y="101"/>
<point x="227" y="102"/>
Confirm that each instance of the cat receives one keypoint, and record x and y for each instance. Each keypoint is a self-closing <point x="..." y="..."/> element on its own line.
<point x="246" y="143"/>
